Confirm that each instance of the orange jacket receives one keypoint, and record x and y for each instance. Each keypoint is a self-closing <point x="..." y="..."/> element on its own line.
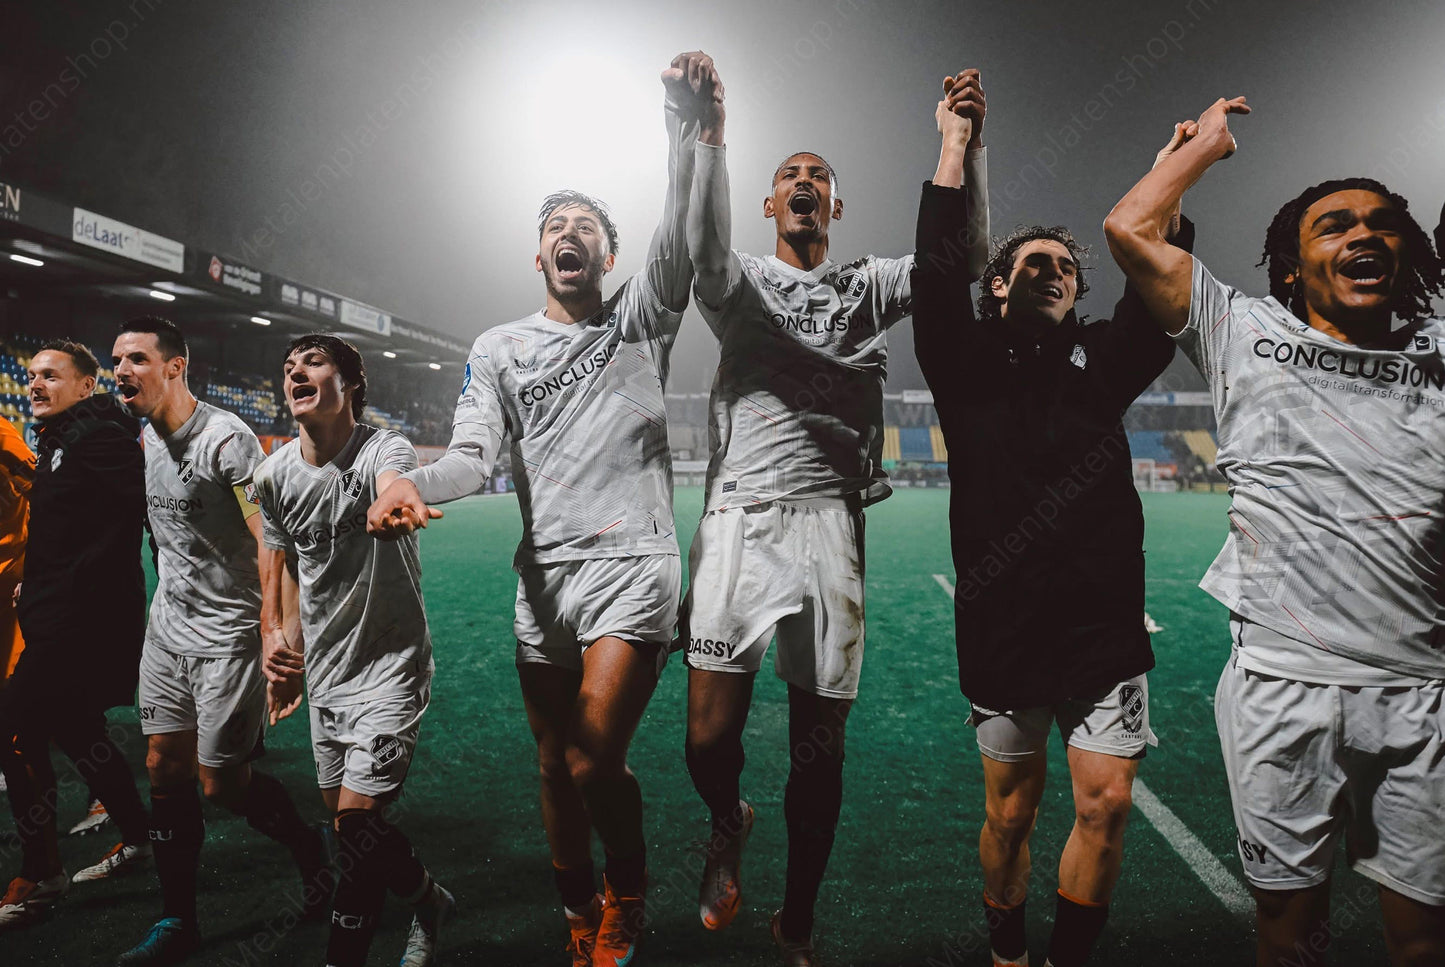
<point x="17" y="473"/>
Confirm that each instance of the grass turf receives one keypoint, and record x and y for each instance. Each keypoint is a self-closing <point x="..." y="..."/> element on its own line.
<point x="904" y="884"/>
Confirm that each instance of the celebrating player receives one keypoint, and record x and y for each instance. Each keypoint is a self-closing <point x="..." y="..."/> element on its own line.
<point x="797" y="425"/>
<point x="81" y="613"/>
<point x="1328" y="393"/>
<point x="367" y="656"/>
<point x="578" y="386"/>
<point x="202" y="695"/>
<point x="1043" y="508"/>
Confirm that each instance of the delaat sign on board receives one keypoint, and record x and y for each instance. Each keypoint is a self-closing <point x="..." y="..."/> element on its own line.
<point x="130" y="242"/>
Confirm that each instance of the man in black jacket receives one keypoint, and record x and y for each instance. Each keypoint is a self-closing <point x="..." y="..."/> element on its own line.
<point x="1047" y="537"/>
<point x="81" y="610"/>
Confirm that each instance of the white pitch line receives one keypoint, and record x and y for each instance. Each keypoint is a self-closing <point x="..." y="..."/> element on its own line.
<point x="1224" y="885"/>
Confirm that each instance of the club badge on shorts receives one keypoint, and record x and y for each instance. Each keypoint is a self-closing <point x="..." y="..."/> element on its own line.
<point x="385" y="749"/>
<point x="1131" y="700"/>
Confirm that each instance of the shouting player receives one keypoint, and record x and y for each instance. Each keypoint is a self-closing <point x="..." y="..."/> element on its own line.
<point x="1043" y="509"/>
<point x="362" y="642"/>
<point x="1328" y="393"/>
<point x="578" y="386"/>
<point x="797" y="431"/>
<point x="202" y="695"/>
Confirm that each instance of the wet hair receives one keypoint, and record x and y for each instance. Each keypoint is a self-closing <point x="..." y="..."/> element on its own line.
<point x="83" y="358"/>
<point x="566" y="197"/>
<point x="832" y="175"/>
<point x="168" y="335"/>
<point x="1001" y="264"/>
<point x="1281" y="250"/>
<point x="346" y="357"/>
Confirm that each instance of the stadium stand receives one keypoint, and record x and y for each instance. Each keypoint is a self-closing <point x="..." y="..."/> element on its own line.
<point x="1149" y="445"/>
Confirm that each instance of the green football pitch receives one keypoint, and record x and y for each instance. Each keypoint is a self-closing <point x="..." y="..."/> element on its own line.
<point x="904" y="884"/>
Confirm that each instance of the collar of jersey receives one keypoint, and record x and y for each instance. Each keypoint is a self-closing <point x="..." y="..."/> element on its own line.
<point x="817" y="272"/>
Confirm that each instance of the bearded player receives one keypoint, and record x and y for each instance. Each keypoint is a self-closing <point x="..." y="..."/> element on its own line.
<point x="797" y="431"/>
<point x="1328" y="394"/>
<point x="362" y="645"/>
<point x="202" y="696"/>
<point x="578" y="386"/>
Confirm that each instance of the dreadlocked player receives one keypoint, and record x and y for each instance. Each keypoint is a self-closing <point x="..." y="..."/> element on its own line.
<point x="1328" y="394"/>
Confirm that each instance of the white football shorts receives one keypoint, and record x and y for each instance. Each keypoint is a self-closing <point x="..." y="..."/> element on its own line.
<point x="793" y="569"/>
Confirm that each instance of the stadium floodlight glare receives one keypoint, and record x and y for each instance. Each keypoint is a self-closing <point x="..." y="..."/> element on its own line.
<point x="435" y="365"/>
<point x="261" y="320"/>
<point x="27" y="260"/>
<point x="158" y="294"/>
<point x="388" y="354"/>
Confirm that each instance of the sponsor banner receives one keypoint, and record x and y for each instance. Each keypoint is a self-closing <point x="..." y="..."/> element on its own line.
<point x="358" y="316"/>
<point x="301" y="297"/>
<point x="918" y="396"/>
<point x="231" y="274"/>
<point x="399" y="328"/>
<point x="19" y="204"/>
<point x="127" y="241"/>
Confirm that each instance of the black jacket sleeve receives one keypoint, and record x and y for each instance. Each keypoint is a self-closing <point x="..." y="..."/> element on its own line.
<point x="1440" y="234"/>
<point x="1137" y="349"/>
<point x="942" y="310"/>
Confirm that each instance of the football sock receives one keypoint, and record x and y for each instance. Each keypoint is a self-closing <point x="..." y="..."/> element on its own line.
<point x="388" y="848"/>
<point x="103" y="768"/>
<point x="269" y="810"/>
<point x="1005" y="928"/>
<point x="811" y="803"/>
<point x="715" y="773"/>
<point x="360" y="890"/>
<point x="577" y="885"/>
<point x="627" y="875"/>
<point x="176" y="833"/>
<point x="1077" y="924"/>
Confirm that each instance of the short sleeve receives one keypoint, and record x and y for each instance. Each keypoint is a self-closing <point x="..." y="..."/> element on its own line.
<point x="395" y="453"/>
<point x="237" y="458"/>
<point x="272" y="533"/>
<point x="1216" y="312"/>
<point x="893" y="277"/>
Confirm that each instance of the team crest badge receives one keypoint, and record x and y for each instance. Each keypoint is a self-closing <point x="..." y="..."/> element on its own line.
<point x="55" y="460"/>
<point x="1079" y="358"/>
<point x="187" y="471"/>
<point x="251" y="497"/>
<point x="385" y="749"/>
<point x="1131" y="700"/>
<point x="851" y="284"/>
<point x="351" y="483"/>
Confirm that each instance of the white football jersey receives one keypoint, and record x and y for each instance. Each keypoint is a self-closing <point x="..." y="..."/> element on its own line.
<point x="797" y="402"/>
<point x="583" y="406"/>
<point x="1335" y="457"/>
<point x="362" y="616"/>
<point x="208" y="597"/>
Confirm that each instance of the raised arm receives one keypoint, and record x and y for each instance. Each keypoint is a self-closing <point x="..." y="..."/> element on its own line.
<point x="1136" y="228"/>
<point x="709" y="215"/>
<point x="964" y="163"/>
<point x="689" y="106"/>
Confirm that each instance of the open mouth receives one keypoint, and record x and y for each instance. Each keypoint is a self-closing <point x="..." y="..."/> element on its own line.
<point x="569" y="263"/>
<point x="302" y="391"/>
<point x="802" y="203"/>
<point x="128" y="391"/>
<point x="1051" y="292"/>
<point x="1368" y="269"/>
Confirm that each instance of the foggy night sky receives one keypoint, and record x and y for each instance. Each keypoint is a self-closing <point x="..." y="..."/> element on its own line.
<point x="202" y="120"/>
